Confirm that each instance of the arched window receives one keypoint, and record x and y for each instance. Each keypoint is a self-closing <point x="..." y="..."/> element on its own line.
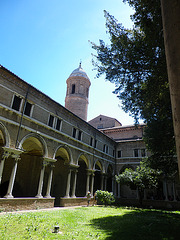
<point x="73" y="88"/>
<point x="87" y="92"/>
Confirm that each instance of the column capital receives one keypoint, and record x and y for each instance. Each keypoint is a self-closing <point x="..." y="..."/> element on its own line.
<point x="45" y="163"/>
<point x="49" y="160"/>
<point x="15" y="153"/>
<point x="88" y="172"/>
<point x="73" y="166"/>
<point x="5" y="154"/>
<point x="51" y="165"/>
<point x="91" y="171"/>
<point x="103" y="174"/>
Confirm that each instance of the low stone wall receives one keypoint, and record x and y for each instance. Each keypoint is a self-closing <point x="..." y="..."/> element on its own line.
<point x="67" y="202"/>
<point x="15" y="204"/>
<point x="159" y="204"/>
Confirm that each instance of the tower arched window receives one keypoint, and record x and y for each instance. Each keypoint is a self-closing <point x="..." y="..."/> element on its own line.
<point x="87" y="92"/>
<point x="73" y="88"/>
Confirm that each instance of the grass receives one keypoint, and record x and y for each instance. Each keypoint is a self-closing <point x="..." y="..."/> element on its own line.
<point x="92" y="223"/>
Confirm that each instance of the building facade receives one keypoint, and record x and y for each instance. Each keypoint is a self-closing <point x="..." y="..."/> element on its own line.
<point x="48" y="150"/>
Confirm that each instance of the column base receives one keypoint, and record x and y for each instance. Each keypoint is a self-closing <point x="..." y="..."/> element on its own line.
<point x="66" y="197"/>
<point x="38" y="196"/>
<point x="47" y="196"/>
<point x="8" y="196"/>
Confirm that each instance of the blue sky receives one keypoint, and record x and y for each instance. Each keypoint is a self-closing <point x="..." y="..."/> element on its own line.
<point x="43" y="41"/>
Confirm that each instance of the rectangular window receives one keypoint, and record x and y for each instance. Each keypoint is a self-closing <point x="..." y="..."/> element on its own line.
<point x="104" y="148"/>
<point x="119" y="154"/>
<point x="136" y="153"/>
<point x="74" y="133"/>
<point x="107" y="149"/>
<point x="91" y="141"/>
<point x="95" y="144"/>
<point x="28" y="108"/>
<point x="143" y="152"/>
<point x="51" y="120"/>
<point x="79" y="135"/>
<point x="16" y="103"/>
<point x="58" y="124"/>
<point x="113" y="153"/>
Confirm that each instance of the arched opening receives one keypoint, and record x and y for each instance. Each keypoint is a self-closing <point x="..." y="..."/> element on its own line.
<point x="2" y="143"/>
<point x="81" y="177"/>
<point x="61" y="170"/>
<point x="73" y="88"/>
<point x="29" y="167"/>
<point x="4" y="136"/>
<point x="109" y="178"/>
<point x="97" y="177"/>
<point x="2" y="139"/>
<point x="8" y="165"/>
<point x="126" y="191"/>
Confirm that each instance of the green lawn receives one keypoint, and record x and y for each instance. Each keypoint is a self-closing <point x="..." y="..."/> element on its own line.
<point x="92" y="223"/>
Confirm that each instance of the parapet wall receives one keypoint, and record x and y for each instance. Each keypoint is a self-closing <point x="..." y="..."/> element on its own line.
<point x="16" y="204"/>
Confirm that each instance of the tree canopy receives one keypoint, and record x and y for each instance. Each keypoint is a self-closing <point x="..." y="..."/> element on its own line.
<point x="143" y="178"/>
<point x="135" y="62"/>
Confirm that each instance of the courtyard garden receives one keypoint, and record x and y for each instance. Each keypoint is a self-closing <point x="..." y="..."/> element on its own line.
<point x="97" y="222"/>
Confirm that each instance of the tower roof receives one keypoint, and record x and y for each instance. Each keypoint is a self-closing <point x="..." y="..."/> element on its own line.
<point x="79" y="72"/>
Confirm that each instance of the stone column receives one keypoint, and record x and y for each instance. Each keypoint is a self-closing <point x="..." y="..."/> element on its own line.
<point x="165" y="189"/>
<point x="119" y="190"/>
<point x="12" y="177"/>
<point x="113" y="185"/>
<point x="68" y="184"/>
<point x="49" y="182"/>
<point x="174" y="191"/>
<point x="41" y="179"/>
<point x="102" y="181"/>
<point x="92" y="183"/>
<point x="115" y="188"/>
<point x="5" y="155"/>
<point x="74" y="184"/>
<point x="105" y="183"/>
<point x="87" y="181"/>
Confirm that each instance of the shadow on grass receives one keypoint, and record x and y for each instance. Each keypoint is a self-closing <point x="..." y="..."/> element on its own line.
<point x="140" y="224"/>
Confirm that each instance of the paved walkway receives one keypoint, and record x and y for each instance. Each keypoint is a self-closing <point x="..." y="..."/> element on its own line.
<point x="41" y="210"/>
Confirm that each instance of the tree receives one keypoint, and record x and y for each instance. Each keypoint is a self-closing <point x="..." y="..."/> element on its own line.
<point x="171" y="23"/>
<point x="143" y="178"/>
<point x="135" y="62"/>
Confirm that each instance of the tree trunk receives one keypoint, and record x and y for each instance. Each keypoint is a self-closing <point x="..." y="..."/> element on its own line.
<point x="171" y="26"/>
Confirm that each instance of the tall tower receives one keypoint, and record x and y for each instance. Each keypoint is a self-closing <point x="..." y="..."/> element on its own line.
<point x="77" y="93"/>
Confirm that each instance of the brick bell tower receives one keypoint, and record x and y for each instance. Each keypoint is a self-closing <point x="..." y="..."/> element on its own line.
<point x="77" y="93"/>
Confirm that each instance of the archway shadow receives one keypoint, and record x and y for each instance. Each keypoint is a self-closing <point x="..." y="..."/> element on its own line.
<point x="140" y="225"/>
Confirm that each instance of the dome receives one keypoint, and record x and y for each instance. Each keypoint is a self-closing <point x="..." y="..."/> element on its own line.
<point x="79" y="72"/>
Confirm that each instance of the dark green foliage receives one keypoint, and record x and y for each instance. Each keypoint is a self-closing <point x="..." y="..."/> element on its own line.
<point x="135" y="62"/>
<point x="104" y="197"/>
<point x="143" y="178"/>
